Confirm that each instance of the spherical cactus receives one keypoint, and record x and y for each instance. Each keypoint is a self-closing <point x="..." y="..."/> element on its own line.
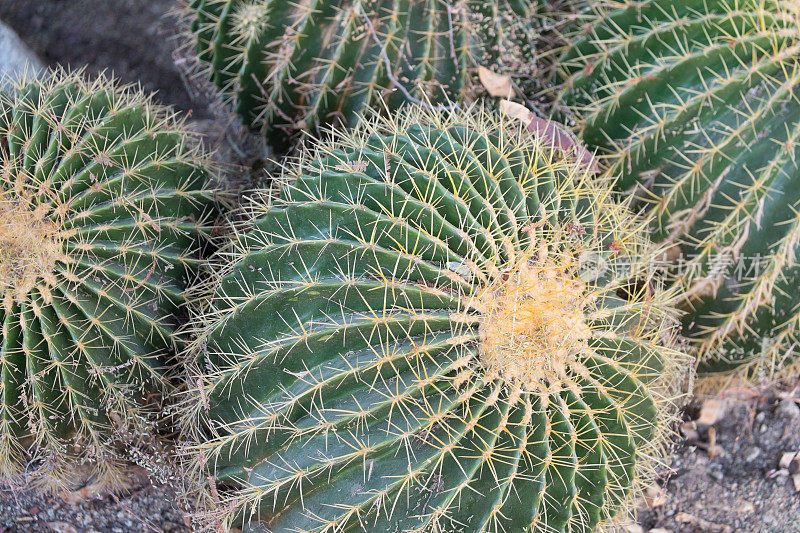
<point x="431" y="329"/>
<point x="695" y="103"/>
<point x="104" y="206"/>
<point x="291" y="66"/>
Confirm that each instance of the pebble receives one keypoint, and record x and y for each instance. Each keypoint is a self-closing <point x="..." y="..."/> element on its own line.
<point x="754" y="452"/>
<point x="789" y="409"/>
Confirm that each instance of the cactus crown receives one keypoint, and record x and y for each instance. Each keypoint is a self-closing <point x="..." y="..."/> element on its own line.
<point x="411" y="337"/>
<point x="30" y="246"/>
<point x="104" y="205"/>
<point x="694" y="104"/>
<point x="294" y="66"/>
<point x="533" y="324"/>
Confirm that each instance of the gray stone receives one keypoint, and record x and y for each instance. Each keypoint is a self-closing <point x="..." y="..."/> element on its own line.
<point x="753" y="454"/>
<point x="16" y="58"/>
<point x="789" y="409"/>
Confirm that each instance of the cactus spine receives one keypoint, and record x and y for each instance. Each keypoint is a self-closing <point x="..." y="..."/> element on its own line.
<point x="695" y="104"/>
<point x="103" y="208"/>
<point x="290" y="66"/>
<point x="407" y="340"/>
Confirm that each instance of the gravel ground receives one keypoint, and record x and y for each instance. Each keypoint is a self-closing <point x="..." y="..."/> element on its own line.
<point x="732" y="485"/>
<point x="148" y="509"/>
<point x="736" y="484"/>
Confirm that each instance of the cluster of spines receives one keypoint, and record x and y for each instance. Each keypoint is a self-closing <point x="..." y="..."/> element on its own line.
<point x="338" y="369"/>
<point x="119" y="197"/>
<point x="694" y="105"/>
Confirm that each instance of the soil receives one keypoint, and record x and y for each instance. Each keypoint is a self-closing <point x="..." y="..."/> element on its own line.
<point x="735" y="484"/>
<point x="131" y="39"/>
<point x="723" y="477"/>
<point x="148" y="509"/>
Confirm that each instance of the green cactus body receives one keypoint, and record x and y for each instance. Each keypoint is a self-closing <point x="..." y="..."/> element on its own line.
<point x="405" y="340"/>
<point x="103" y="206"/>
<point x="696" y="103"/>
<point x="291" y="66"/>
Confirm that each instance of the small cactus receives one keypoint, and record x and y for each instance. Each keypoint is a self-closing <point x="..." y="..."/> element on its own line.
<point x="104" y="206"/>
<point x="695" y="105"/>
<point x="424" y="331"/>
<point x="292" y="66"/>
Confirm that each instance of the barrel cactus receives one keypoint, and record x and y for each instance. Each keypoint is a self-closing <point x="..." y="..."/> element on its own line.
<point x="431" y="328"/>
<point x="695" y="104"/>
<point x="104" y="206"/>
<point x="292" y="66"/>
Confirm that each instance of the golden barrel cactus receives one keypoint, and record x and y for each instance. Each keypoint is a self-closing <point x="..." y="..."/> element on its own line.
<point x="440" y="323"/>
<point x="105" y="206"/>
<point x="288" y="67"/>
<point x="695" y="106"/>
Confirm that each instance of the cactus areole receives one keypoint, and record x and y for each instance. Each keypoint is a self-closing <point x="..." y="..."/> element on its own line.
<point x="695" y="104"/>
<point x="291" y="66"/>
<point x="416" y="336"/>
<point x="104" y="207"/>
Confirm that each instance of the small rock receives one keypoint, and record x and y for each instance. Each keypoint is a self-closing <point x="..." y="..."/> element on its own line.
<point x="789" y="409"/>
<point x="15" y="58"/>
<point x="62" y="527"/>
<point x="717" y="474"/>
<point x="746" y="507"/>
<point x="753" y="454"/>
<point x="655" y="496"/>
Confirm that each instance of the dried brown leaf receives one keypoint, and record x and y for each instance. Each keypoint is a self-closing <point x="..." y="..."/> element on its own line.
<point x="655" y="496"/>
<point x="791" y="462"/>
<point x="712" y="410"/>
<point x="552" y="132"/>
<point x="495" y="84"/>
